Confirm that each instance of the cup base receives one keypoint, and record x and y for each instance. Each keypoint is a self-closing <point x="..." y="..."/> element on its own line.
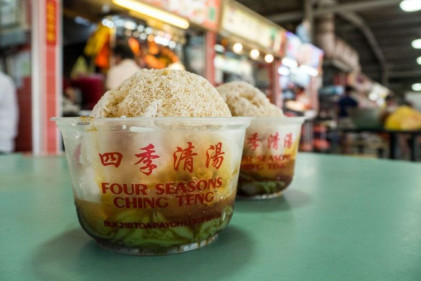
<point x="261" y="196"/>
<point x="160" y="252"/>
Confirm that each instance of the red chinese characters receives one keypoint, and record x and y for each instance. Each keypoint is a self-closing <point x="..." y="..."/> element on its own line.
<point x="184" y="156"/>
<point x="146" y="159"/>
<point x="111" y="158"/>
<point x="214" y="156"/>
<point x="288" y="140"/>
<point x="253" y="141"/>
<point x="273" y="141"/>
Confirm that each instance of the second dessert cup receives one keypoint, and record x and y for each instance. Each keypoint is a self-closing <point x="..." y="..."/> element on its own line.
<point x="270" y="149"/>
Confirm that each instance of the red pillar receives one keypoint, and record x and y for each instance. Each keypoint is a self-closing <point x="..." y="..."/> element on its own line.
<point x="46" y="75"/>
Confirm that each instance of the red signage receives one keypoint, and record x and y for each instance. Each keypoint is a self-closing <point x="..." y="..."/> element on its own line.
<point x="201" y="12"/>
<point x="51" y="77"/>
<point x="51" y="22"/>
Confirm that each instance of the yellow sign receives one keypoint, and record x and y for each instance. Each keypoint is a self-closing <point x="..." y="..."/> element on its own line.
<point x="51" y="22"/>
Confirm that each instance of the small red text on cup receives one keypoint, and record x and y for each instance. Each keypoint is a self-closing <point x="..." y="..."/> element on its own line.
<point x="184" y="157"/>
<point x="273" y="141"/>
<point x="253" y="141"/>
<point x="214" y="156"/>
<point x="288" y="140"/>
<point x="111" y="158"/>
<point x="146" y="159"/>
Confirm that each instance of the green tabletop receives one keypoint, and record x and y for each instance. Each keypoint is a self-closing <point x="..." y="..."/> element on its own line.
<point x="341" y="219"/>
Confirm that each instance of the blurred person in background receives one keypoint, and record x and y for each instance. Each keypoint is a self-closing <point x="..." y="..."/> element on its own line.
<point x="344" y="108"/>
<point x="302" y="98"/>
<point x="72" y="99"/>
<point x="345" y="104"/>
<point x="389" y="107"/>
<point x="8" y="114"/>
<point x="403" y="117"/>
<point x="125" y="66"/>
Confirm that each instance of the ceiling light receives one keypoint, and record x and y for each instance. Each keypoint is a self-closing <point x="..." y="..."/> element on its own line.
<point x="105" y="8"/>
<point x="289" y="62"/>
<point x="119" y="22"/>
<point x="254" y="54"/>
<point x="237" y="48"/>
<point x="161" y="40"/>
<point x="416" y="44"/>
<point x="130" y="25"/>
<point x="172" y="44"/>
<point x="269" y="58"/>
<point x="219" y="48"/>
<point x="419" y="60"/>
<point x="416" y="87"/>
<point x="107" y="23"/>
<point x="373" y="96"/>
<point x="283" y="71"/>
<point x="309" y="70"/>
<point x="148" y="30"/>
<point x="152" y="12"/>
<point x="410" y="5"/>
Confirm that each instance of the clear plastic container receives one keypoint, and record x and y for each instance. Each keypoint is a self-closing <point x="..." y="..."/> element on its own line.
<point x="270" y="148"/>
<point x="150" y="186"/>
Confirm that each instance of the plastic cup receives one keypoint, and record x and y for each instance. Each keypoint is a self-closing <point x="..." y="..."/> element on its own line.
<point x="154" y="186"/>
<point x="270" y="149"/>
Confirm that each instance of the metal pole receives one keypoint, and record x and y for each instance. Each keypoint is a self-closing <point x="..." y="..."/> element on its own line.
<point x="309" y="17"/>
<point x="349" y="7"/>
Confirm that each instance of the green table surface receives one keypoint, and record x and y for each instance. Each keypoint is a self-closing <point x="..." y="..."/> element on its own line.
<point x="341" y="219"/>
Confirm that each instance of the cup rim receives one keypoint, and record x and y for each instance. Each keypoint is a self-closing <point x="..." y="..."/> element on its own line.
<point x="205" y="121"/>
<point x="284" y="119"/>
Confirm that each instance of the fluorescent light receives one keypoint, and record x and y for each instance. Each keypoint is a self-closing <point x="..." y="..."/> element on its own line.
<point x="237" y="48"/>
<point x="283" y="71"/>
<point x="416" y="44"/>
<point x="289" y="62"/>
<point x="269" y="58"/>
<point x="416" y="87"/>
<point x="309" y="70"/>
<point x="410" y="5"/>
<point x="254" y="54"/>
<point x="152" y="12"/>
<point x="419" y="60"/>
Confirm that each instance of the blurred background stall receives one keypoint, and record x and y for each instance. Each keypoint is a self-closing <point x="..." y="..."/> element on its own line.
<point x="303" y="55"/>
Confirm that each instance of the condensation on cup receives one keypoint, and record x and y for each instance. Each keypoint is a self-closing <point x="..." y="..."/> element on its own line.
<point x="154" y="186"/>
<point x="270" y="149"/>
